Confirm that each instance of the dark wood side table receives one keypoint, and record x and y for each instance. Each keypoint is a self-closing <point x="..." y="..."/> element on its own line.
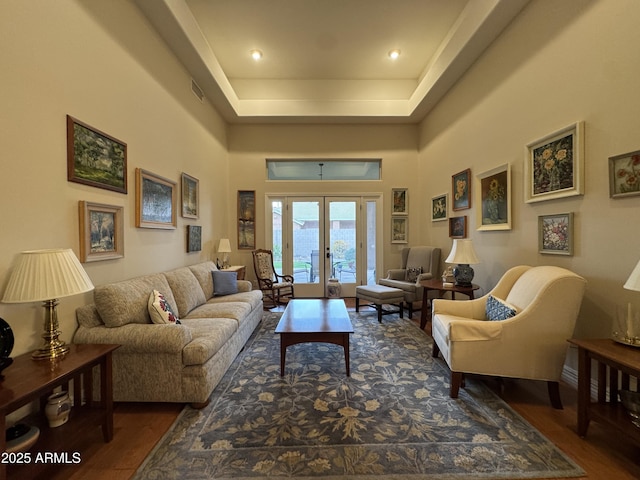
<point x="437" y="284"/>
<point x="27" y="380"/>
<point x="623" y="362"/>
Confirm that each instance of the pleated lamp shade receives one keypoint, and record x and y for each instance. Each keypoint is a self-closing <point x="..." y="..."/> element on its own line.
<point x="462" y="252"/>
<point x="41" y="275"/>
<point x="224" y="246"/>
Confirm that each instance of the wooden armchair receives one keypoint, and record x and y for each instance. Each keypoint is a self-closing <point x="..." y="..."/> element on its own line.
<point x="274" y="287"/>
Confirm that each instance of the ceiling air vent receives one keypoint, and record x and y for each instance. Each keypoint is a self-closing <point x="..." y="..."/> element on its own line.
<point x="197" y="91"/>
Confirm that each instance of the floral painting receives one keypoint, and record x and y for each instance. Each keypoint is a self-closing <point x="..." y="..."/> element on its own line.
<point x="624" y="175"/>
<point x="555" y="234"/>
<point x="554" y="165"/>
<point x="439" y="208"/>
<point x="494" y="197"/>
<point x="461" y="186"/>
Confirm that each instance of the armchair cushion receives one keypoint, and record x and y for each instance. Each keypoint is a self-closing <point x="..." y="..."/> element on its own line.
<point x="499" y="309"/>
<point x="413" y="273"/>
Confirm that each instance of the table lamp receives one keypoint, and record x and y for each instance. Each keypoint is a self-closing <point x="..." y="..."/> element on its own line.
<point x="224" y="247"/>
<point x="47" y="275"/>
<point x="464" y="255"/>
<point x="632" y="336"/>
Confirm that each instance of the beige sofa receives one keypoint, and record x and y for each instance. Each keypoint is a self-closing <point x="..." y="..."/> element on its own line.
<point x="170" y="362"/>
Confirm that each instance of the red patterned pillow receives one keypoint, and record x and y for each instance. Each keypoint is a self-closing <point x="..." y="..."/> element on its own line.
<point x="160" y="310"/>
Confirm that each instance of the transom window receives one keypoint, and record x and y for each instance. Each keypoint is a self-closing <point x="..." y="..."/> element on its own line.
<point x="324" y="169"/>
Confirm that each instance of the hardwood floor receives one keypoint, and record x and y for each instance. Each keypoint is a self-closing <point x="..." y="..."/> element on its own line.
<point x="138" y="427"/>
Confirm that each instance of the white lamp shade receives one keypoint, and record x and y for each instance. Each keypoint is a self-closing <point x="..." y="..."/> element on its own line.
<point x="462" y="252"/>
<point x="224" y="246"/>
<point x="41" y="275"/>
<point x="633" y="282"/>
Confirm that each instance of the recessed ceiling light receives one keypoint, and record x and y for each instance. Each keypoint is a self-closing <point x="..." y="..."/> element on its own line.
<point x="393" y="54"/>
<point x="256" y="54"/>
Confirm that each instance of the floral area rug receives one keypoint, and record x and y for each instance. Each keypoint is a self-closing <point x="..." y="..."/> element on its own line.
<point x="391" y="418"/>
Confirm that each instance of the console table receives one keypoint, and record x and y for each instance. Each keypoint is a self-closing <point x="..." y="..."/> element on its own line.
<point x="438" y="284"/>
<point x="27" y="380"/>
<point x="622" y="362"/>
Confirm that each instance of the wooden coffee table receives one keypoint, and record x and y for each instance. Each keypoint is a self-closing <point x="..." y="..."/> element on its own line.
<point x="323" y="321"/>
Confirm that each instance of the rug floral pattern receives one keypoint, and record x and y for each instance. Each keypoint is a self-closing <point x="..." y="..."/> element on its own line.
<point x="392" y="417"/>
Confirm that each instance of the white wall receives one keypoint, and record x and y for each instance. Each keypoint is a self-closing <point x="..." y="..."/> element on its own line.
<point x="558" y="63"/>
<point x="102" y="63"/>
<point x="251" y="145"/>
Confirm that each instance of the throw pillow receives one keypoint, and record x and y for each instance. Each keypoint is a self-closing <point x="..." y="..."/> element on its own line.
<point x="224" y="283"/>
<point x="497" y="309"/>
<point x="160" y="310"/>
<point x="413" y="274"/>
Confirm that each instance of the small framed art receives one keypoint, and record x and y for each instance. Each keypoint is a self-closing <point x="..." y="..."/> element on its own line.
<point x="399" y="230"/>
<point x="101" y="231"/>
<point x="461" y="188"/>
<point x="493" y="192"/>
<point x="400" y="201"/>
<point x="246" y="219"/>
<point x="156" y="201"/>
<point x="190" y="201"/>
<point x="439" y="207"/>
<point x="95" y="158"/>
<point x="554" y="165"/>
<point x="555" y="234"/>
<point x="458" y="227"/>
<point x="194" y="238"/>
<point x="624" y="175"/>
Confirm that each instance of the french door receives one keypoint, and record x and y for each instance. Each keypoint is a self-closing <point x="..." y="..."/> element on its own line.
<point x="315" y="238"/>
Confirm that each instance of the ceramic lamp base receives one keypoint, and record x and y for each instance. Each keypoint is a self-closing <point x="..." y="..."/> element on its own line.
<point x="463" y="274"/>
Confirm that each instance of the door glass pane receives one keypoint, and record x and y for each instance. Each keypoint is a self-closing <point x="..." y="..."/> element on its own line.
<point x="342" y="240"/>
<point x="276" y="228"/>
<point x="370" y="250"/>
<point x="306" y="243"/>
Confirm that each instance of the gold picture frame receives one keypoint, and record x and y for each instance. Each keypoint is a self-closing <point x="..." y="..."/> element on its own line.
<point x="190" y="196"/>
<point x="101" y="231"/>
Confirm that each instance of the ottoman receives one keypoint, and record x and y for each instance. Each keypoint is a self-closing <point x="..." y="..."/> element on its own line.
<point x="379" y="295"/>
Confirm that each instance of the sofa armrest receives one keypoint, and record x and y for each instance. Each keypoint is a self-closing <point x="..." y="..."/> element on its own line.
<point x="138" y="338"/>
<point x="244" y="286"/>
<point x="396" y="274"/>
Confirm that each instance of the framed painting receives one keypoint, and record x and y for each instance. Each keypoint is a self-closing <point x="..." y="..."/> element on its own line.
<point x="95" y="158"/>
<point x="194" y="238"/>
<point x="554" y="165"/>
<point x="246" y="219"/>
<point x="493" y="191"/>
<point x="101" y="231"/>
<point x="190" y="201"/>
<point x="399" y="230"/>
<point x="624" y="175"/>
<point x="461" y="187"/>
<point x="555" y="234"/>
<point x="458" y="227"/>
<point x="400" y="201"/>
<point x="156" y="201"/>
<point x="439" y="207"/>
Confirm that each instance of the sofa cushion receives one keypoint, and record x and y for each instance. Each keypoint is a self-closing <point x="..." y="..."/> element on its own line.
<point x="160" y="310"/>
<point x="497" y="309"/>
<point x="186" y="290"/>
<point x="202" y="271"/>
<point x="252" y="297"/>
<point x="126" y="302"/>
<point x="236" y="310"/>
<point x="224" y="283"/>
<point x="209" y="335"/>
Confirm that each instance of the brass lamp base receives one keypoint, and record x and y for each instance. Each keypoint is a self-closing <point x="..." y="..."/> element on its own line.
<point x="52" y="347"/>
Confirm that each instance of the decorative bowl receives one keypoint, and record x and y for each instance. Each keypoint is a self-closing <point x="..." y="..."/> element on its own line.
<point x="631" y="401"/>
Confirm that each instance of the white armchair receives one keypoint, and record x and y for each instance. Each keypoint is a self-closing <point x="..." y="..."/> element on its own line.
<point x="418" y="263"/>
<point x="532" y="344"/>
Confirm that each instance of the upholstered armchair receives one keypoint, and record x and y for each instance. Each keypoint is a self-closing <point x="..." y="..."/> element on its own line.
<point x="418" y="263"/>
<point x="274" y="287"/>
<point x="518" y="330"/>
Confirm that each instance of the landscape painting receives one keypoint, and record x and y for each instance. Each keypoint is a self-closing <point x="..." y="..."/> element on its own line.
<point x="95" y="158"/>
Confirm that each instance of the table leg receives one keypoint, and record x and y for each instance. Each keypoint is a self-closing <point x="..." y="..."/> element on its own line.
<point x="425" y="308"/>
<point x="584" y="394"/>
<point x="106" y="396"/>
<point x="345" y="345"/>
<point x="283" y="353"/>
